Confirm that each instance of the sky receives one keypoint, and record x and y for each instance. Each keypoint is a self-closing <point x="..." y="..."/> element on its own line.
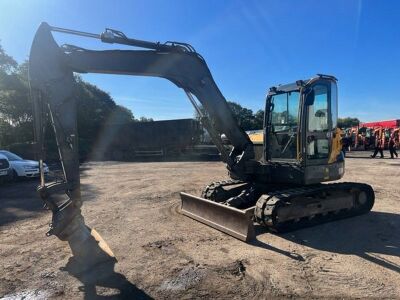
<point x="248" y="45"/>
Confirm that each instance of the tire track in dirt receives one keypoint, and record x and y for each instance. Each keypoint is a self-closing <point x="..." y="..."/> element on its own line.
<point x="171" y="209"/>
<point x="212" y="275"/>
<point x="331" y="277"/>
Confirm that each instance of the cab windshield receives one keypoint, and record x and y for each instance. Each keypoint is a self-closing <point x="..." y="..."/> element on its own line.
<point x="284" y="121"/>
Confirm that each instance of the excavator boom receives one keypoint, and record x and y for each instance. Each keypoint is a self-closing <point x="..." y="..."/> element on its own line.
<point x="51" y="69"/>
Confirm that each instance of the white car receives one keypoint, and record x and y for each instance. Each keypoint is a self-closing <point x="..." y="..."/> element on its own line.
<point x="4" y="168"/>
<point x="22" y="167"/>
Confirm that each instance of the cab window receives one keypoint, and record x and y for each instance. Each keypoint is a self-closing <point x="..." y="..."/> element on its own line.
<point x="318" y="112"/>
<point x="318" y="124"/>
<point x="284" y="121"/>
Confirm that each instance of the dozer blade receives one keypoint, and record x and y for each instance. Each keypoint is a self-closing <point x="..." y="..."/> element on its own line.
<point x="235" y="222"/>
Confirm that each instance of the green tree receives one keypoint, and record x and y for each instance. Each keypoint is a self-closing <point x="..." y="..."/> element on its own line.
<point x="122" y="115"/>
<point x="96" y="109"/>
<point x="258" y="119"/>
<point x="348" y="122"/>
<point x="245" y="117"/>
<point x="15" y="105"/>
<point x="7" y="63"/>
<point x="144" y="119"/>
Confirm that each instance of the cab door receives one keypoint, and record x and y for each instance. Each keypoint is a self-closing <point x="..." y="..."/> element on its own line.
<point x="321" y="122"/>
<point x="282" y="138"/>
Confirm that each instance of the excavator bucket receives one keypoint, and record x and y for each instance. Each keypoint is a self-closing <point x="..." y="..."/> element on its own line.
<point x="235" y="222"/>
<point x="88" y="247"/>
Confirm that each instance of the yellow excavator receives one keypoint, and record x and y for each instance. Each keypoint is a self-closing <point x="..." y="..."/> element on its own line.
<point x="277" y="182"/>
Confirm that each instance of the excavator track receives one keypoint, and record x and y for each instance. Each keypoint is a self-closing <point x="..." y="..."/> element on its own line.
<point x="295" y="208"/>
<point x="285" y="208"/>
<point x="216" y="191"/>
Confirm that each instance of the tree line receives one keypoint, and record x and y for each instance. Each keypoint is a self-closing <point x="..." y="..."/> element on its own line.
<point x="96" y="108"/>
<point x="348" y="122"/>
<point x="16" y="119"/>
<point x="246" y="118"/>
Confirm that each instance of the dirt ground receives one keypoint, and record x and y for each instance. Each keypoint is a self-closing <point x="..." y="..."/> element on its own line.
<point x="164" y="255"/>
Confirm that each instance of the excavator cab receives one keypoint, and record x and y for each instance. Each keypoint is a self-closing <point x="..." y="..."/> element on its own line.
<point x="301" y="148"/>
<point x="301" y="131"/>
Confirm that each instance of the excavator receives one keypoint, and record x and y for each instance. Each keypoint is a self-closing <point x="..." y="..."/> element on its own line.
<point x="281" y="185"/>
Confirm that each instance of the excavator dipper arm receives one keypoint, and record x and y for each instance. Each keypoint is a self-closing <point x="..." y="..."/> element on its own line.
<point x="51" y="71"/>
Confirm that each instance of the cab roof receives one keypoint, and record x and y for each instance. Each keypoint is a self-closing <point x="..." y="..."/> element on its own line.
<point x="284" y="88"/>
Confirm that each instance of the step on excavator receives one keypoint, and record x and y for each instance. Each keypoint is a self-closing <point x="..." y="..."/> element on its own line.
<point x="279" y="183"/>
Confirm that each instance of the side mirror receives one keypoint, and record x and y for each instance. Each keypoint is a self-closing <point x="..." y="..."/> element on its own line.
<point x="309" y="97"/>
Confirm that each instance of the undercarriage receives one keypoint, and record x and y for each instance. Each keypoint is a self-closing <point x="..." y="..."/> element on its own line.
<point x="280" y="208"/>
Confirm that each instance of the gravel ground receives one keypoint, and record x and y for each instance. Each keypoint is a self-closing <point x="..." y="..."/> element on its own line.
<point x="164" y="255"/>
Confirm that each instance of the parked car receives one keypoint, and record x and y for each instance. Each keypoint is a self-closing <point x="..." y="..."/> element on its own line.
<point x="4" y="168"/>
<point x="22" y="168"/>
